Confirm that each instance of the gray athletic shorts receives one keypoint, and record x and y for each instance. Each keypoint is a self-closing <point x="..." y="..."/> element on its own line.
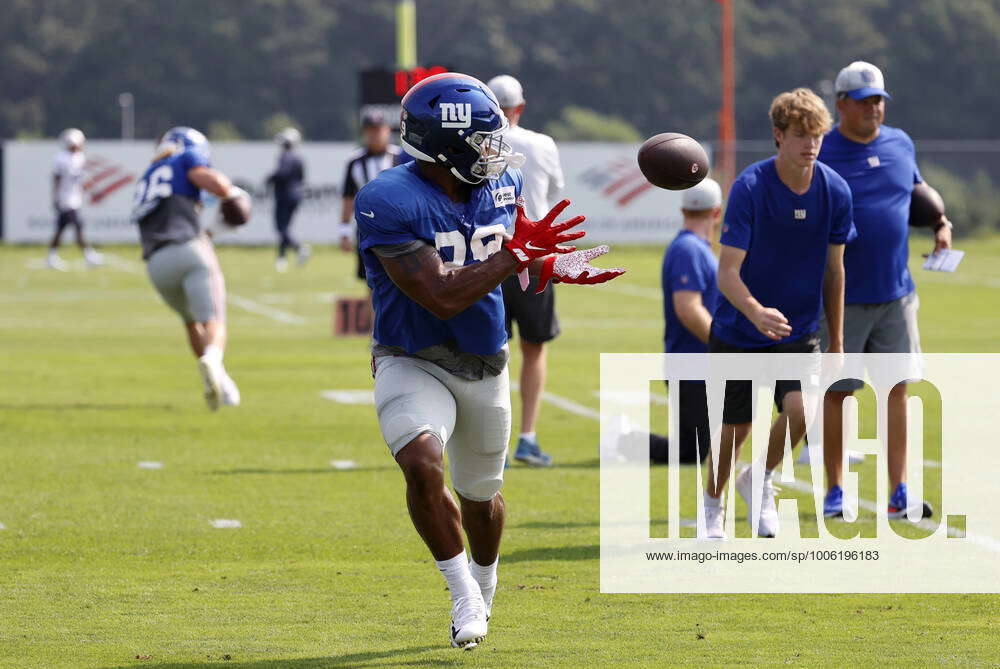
<point x="471" y="419"/>
<point x="885" y="327"/>
<point x="188" y="278"/>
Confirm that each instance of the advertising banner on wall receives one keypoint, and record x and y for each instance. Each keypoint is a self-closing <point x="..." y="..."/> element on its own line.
<point x="602" y="180"/>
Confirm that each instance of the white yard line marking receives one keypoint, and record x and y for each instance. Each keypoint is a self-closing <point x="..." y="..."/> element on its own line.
<point x="343" y="464"/>
<point x="225" y="523"/>
<point x="564" y="403"/>
<point x="150" y="464"/>
<point x="349" y="396"/>
<point x="255" y="307"/>
<point x="2" y="526"/>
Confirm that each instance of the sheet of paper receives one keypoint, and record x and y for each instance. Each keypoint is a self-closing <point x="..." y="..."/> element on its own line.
<point x="945" y="260"/>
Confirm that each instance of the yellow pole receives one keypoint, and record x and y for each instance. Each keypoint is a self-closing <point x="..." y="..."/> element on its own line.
<point x="406" y="34"/>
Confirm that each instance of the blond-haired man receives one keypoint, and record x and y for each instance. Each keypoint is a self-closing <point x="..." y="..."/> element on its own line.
<point x="794" y="213"/>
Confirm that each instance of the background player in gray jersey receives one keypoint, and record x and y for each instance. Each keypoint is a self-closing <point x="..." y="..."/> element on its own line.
<point x="179" y="254"/>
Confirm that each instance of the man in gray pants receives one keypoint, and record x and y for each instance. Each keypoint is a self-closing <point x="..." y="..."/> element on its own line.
<point x="179" y="255"/>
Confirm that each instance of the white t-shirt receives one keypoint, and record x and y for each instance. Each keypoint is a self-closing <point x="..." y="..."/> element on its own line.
<point x="543" y="175"/>
<point x="68" y="166"/>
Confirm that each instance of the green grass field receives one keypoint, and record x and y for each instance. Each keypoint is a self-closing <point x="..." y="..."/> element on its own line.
<point x="106" y="564"/>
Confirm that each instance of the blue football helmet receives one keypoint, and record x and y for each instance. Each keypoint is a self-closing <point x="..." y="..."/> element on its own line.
<point x="182" y="138"/>
<point x="454" y="120"/>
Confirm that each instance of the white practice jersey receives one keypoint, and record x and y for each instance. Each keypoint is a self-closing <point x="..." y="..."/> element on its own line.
<point x="68" y="166"/>
<point x="543" y="175"/>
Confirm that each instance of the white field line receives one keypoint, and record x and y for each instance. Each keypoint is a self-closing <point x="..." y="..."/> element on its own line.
<point x="245" y="303"/>
<point x="150" y="464"/>
<point x="349" y="396"/>
<point x="225" y="524"/>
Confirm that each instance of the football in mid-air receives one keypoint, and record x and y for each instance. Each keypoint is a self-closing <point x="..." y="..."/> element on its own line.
<point x="673" y="161"/>
<point x="236" y="210"/>
<point x="926" y="206"/>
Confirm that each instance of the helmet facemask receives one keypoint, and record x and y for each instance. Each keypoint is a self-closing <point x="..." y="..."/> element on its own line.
<point x="495" y="155"/>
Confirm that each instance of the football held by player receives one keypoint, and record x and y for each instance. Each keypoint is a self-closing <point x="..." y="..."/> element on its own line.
<point x="437" y="237"/>
<point x="792" y="212"/>
<point x="179" y="254"/>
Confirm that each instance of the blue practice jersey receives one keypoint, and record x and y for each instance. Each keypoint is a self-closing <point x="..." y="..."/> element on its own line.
<point x="688" y="264"/>
<point x="165" y="177"/>
<point x="786" y="237"/>
<point x="401" y="206"/>
<point x="881" y="175"/>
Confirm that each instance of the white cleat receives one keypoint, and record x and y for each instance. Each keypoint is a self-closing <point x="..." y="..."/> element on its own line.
<point x="93" y="258"/>
<point x="281" y="265"/>
<point x="56" y="263"/>
<point x="715" y="522"/>
<point x="212" y="374"/>
<point x="468" y="622"/>
<point x="767" y="522"/>
<point x="230" y="393"/>
<point x="305" y="251"/>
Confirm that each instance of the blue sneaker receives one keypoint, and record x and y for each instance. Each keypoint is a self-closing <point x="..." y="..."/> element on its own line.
<point x="833" y="503"/>
<point x="529" y="453"/>
<point x="898" y="505"/>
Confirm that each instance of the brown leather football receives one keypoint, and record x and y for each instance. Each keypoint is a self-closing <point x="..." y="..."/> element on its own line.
<point x="673" y="161"/>
<point x="236" y="210"/>
<point x="926" y="206"/>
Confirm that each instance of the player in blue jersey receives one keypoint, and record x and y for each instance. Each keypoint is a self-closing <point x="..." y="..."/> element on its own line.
<point x="880" y="313"/>
<point x="690" y="295"/>
<point x="179" y="254"/>
<point x="437" y="237"/>
<point x="786" y="223"/>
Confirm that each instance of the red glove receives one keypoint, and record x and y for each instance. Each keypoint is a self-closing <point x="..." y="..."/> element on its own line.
<point x="535" y="239"/>
<point x="575" y="267"/>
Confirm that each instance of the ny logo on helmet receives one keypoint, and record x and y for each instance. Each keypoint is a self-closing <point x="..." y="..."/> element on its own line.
<point x="456" y="115"/>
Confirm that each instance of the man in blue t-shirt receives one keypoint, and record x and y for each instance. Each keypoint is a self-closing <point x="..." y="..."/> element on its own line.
<point x="690" y="295"/>
<point x="787" y="220"/>
<point x="437" y="237"/>
<point x="880" y="314"/>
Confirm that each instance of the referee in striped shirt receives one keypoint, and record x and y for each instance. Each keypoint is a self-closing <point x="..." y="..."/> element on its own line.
<point x="376" y="154"/>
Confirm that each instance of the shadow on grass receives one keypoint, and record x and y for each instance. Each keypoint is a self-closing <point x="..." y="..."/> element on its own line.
<point x="388" y="658"/>
<point x="591" y="552"/>
<point x="303" y="470"/>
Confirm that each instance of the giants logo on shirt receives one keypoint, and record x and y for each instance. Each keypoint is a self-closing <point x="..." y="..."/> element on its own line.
<point x="503" y="197"/>
<point x="873" y="161"/>
<point x="800" y="214"/>
<point x="456" y="114"/>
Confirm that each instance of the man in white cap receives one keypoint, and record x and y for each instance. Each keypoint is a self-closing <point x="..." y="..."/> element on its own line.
<point x="690" y="295"/>
<point x="67" y="197"/>
<point x="879" y="163"/>
<point x="535" y="314"/>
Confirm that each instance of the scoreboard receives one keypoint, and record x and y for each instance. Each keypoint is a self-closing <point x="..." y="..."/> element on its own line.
<point x="382" y="89"/>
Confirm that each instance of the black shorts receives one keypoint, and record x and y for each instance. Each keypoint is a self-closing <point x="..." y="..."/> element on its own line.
<point x="535" y="314"/>
<point x="738" y="407"/>
<point x="361" y="263"/>
<point x="692" y="429"/>
<point x="68" y="217"/>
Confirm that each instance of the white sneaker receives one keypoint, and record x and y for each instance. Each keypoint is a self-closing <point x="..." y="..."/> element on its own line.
<point x="468" y="622"/>
<point x="230" y="393"/>
<point x="304" y="252"/>
<point x="56" y="263"/>
<point x="715" y="522"/>
<point x="93" y="257"/>
<point x="212" y="374"/>
<point x="281" y="265"/>
<point x="767" y="521"/>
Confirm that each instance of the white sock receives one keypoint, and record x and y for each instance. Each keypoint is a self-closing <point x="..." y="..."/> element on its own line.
<point x="53" y="253"/>
<point x="528" y="436"/>
<point x="456" y="573"/>
<point x="712" y="501"/>
<point x="212" y="353"/>
<point x="486" y="577"/>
